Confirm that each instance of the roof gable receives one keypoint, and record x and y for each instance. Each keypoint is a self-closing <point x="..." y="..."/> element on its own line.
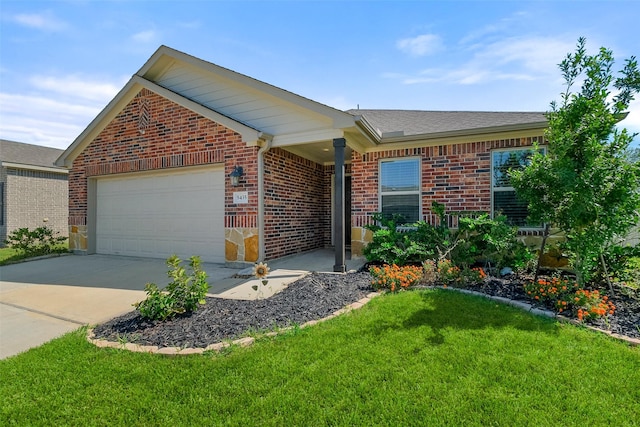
<point x="254" y="109"/>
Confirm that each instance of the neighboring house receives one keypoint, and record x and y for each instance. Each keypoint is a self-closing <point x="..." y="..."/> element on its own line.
<point x="33" y="190"/>
<point x="153" y="174"/>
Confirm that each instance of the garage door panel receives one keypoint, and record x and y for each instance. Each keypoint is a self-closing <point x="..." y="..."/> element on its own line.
<point x="158" y="215"/>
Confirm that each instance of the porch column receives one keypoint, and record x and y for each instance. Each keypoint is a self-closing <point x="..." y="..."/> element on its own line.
<point x="338" y="227"/>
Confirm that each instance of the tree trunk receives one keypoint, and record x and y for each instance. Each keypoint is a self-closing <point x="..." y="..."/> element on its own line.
<point x="606" y="274"/>
<point x="541" y="253"/>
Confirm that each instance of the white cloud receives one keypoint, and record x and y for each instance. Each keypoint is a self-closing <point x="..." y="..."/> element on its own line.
<point x="534" y="54"/>
<point x="632" y="121"/>
<point x="515" y="20"/>
<point x="147" y="36"/>
<point x="422" y="45"/>
<point x="77" y="86"/>
<point x="55" y="109"/>
<point x="511" y="59"/>
<point x="41" y="120"/>
<point x="39" y="21"/>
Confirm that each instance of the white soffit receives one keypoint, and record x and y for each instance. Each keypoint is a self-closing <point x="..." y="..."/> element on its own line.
<point x="257" y="104"/>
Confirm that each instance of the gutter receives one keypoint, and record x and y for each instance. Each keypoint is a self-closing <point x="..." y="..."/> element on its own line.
<point x="391" y="137"/>
<point x="34" y="167"/>
<point x="266" y="147"/>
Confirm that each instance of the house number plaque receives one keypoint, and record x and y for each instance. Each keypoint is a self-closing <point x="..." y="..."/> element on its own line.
<point x="240" y="197"/>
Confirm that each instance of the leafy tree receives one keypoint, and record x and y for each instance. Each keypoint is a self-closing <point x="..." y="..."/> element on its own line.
<point x="586" y="185"/>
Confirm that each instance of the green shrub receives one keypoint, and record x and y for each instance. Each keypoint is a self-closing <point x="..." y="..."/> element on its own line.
<point x="623" y="266"/>
<point x="182" y="295"/>
<point x="478" y="238"/>
<point x="41" y="241"/>
<point x="393" y="245"/>
<point x="444" y="272"/>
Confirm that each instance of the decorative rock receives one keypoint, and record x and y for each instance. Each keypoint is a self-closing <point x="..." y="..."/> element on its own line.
<point x="169" y="351"/>
<point x="217" y="346"/>
<point x="133" y="347"/>
<point x="506" y="271"/>
<point x="310" y="323"/>
<point x="244" y="342"/>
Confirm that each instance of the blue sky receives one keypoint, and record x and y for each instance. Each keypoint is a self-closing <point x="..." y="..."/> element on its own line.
<point x="61" y="62"/>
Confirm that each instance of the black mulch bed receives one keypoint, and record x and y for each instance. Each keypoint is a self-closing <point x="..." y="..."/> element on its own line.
<point x="312" y="297"/>
<point x="315" y="296"/>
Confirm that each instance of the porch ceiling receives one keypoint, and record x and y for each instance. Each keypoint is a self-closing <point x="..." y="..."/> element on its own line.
<point x="320" y="152"/>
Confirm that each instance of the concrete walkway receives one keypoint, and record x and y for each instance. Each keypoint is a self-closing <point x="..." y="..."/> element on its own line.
<point x="43" y="299"/>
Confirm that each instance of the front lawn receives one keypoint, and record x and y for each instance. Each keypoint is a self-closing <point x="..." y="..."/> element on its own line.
<point x="7" y="254"/>
<point x="10" y="255"/>
<point x="428" y="357"/>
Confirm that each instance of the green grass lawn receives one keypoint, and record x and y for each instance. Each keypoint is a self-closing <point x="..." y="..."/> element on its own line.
<point x="7" y="254"/>
<point x="422" y="358"/>
<point x="10" y="255"/>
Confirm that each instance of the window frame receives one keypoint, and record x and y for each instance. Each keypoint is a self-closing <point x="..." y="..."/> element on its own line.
<point x="417" y="192"/>
<point x="505" y="188"/>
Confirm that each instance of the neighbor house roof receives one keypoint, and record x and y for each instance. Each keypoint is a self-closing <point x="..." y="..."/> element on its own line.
<point x="411" y="123"/>
<point x="29" y="156"/>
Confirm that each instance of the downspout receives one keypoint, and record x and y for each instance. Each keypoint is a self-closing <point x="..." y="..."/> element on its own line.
<point x="261" y="246"/>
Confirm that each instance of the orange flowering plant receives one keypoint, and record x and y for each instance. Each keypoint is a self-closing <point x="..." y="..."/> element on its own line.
<point x="395" y="278"/>
<point x="592" y="305"/>
<point x="566" y="296"/>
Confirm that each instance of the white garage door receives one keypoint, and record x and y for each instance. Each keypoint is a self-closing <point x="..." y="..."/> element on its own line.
<point x="157" y="215"/>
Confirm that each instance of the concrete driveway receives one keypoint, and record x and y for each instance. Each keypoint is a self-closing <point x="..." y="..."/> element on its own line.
<point x="43" y="299"/>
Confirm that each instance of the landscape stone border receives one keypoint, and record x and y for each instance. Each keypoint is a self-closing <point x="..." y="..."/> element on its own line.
<point x="542" y="312"/>
<point x="247" y="341"/>
<point x="217" y="347"/>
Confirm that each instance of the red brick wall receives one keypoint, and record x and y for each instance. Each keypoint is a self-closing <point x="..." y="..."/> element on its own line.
<point x="329" y="172"/>
<point x="458" y="176"/>
<point x="295" y="211"/>
<point x="173" y="137"/>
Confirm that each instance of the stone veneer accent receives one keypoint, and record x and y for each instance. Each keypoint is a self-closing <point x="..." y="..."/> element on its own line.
<point x="171" y="136"/>
<point x="457" y="175"/>
<point x="241" y="244"/>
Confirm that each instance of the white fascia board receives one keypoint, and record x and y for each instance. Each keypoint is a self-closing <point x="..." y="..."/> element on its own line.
<point x="465" y="133"/>
<point x="307" y="137"/>
<point x="420" y="141"/>
<point x="34" y="168"/>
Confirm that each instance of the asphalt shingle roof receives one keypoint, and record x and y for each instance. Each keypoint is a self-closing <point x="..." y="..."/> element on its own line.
<point x="414" y="122"/>
<point x="28" y="154"/>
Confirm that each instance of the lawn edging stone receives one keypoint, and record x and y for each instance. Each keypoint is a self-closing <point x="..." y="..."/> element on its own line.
<point x="217" y="347"/>
<point x="542" y="312"/>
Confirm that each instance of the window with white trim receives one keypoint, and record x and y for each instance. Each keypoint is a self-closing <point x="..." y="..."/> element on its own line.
<point x="503" y="196"/>
<point x="400" y="189"/>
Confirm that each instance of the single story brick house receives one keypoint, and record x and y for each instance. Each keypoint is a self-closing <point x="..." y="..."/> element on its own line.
<point x="33" y="190"/>
<point x="195" y="159"/>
